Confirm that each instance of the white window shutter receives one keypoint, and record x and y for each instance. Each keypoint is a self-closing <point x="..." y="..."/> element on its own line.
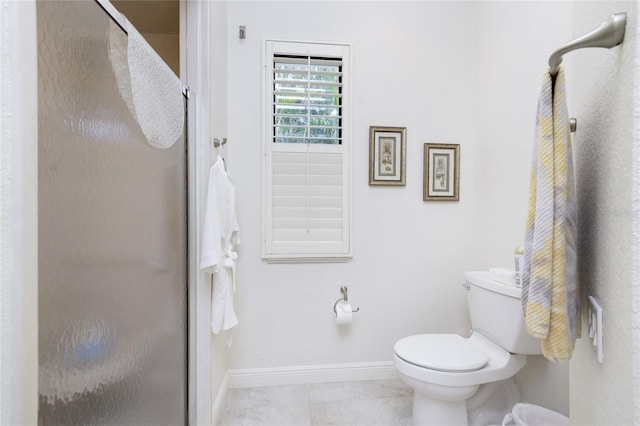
<point x="307" y="183"/>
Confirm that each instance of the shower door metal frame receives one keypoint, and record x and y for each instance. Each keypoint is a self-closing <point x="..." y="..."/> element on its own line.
<point x="197" y="410"/>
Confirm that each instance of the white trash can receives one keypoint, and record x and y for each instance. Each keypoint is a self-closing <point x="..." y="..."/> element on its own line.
<point x="534" y="415"/>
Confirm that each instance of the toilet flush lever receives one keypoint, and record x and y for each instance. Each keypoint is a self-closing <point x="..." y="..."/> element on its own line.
<point x="466" y="285"/>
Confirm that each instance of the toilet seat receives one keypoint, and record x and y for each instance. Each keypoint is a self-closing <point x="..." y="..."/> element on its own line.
<point x="441" y="352"/>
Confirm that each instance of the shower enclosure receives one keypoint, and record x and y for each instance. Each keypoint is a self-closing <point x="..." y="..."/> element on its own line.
<point x="112" y="238"/>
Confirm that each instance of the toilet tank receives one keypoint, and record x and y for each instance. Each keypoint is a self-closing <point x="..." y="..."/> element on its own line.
<point x="496" y="313"/>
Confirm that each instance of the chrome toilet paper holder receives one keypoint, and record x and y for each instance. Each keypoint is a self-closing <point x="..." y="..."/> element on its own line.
<point x="345" y="298"/>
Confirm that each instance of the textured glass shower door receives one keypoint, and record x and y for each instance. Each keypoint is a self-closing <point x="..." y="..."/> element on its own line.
<point x="112" y="238"/>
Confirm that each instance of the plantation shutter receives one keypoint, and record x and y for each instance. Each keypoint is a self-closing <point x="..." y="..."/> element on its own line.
<point x="307" y="194"/>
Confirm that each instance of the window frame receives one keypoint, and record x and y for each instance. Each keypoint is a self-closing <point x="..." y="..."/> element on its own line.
<point x="311" y="251"/>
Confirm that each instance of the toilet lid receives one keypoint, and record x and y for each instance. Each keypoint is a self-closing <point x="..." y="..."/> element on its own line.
<point x="444" y="352"/>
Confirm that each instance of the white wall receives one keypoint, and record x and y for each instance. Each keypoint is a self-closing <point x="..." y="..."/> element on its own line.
<point x="412" y="67"/>
<point x="218" y="129"/>
<point x="606" y="85"/>
<point x="208" y="357"/>
<point x="511" y="53"/>
<point x="474" y="80"/>
<point x="18" y="214"/>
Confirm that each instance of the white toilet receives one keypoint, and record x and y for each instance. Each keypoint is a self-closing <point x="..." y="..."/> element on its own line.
<point x="447" y="370"/>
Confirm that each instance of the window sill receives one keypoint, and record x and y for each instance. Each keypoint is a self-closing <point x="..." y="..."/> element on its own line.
<point x="307" y="258"/>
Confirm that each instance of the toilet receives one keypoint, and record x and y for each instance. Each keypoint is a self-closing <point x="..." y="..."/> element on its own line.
<point x="452" y="374"/>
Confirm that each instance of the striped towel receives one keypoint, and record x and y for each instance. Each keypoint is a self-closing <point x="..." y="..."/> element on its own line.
<point x="550" y="297"/>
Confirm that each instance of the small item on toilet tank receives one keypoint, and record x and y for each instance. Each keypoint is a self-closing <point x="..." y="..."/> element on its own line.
<point x="503" y="275"/>
<point x="518" y="256"/>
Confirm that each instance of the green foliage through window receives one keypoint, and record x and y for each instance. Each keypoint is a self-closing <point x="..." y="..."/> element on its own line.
<point x="307" y="99"/>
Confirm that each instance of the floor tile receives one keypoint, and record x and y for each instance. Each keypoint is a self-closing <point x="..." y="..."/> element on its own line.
<point x="364" y="403"/>
<point x="357" y="391"/>
<point x="267" y="416"/>
<point x="260" y="397"/>
<point x="370" y="412"/>
<point x="274" y="405"/>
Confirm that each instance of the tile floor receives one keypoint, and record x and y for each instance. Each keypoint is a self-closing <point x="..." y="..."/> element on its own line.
<point x="373" y="402"/>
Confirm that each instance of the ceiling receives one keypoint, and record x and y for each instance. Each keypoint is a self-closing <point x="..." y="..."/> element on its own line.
<point x="151" y="16"/>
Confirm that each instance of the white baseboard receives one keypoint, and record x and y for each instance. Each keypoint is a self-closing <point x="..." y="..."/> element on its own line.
<point x="255" y="377"/>
<point x="217" y="409"/>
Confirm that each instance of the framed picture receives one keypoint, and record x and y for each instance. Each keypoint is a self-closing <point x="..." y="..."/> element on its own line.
<point x="387" y="155"/>
<point x="441" y="172"/>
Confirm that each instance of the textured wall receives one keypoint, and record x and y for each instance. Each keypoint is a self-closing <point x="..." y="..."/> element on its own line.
<point x="606" y="104"/>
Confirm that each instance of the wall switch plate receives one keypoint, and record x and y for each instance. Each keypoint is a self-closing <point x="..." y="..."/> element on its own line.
<point x="595" y="327"/>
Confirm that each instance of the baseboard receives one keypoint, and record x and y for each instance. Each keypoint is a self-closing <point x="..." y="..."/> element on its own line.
<point x="217" y="410"/>
<point x="256" y="377"/>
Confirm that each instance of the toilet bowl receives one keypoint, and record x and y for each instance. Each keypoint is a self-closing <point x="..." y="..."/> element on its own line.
<point x="454" y="379"/>
<point x="445" y="370"/>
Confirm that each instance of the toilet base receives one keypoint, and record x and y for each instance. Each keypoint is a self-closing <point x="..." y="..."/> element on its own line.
<point x="429" y="411"/>
<point x="482" y="405"/>
<point x="492" y="402"/>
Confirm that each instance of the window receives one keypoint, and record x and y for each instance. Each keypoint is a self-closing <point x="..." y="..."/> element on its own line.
<point x="307" y="99"/>
<point x="307" y="152"/>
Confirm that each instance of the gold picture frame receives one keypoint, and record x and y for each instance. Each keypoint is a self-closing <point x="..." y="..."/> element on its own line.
<point x="441" y="180"/>
<point x="387" y="155"/>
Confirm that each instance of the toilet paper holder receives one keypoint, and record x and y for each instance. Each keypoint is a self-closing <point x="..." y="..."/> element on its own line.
<point x="345" y="298"/>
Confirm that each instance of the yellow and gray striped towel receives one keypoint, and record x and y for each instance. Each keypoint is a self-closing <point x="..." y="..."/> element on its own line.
<point x="550" y="296"/>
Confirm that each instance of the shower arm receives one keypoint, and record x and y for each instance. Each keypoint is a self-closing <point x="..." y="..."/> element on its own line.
<point x="609" y="34"/>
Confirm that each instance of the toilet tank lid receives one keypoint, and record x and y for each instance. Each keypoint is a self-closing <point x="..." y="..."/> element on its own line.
<point x="483" y="279"/>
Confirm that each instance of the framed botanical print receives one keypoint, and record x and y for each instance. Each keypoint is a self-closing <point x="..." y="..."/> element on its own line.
<point x="387" y="155"/>
<point x="441" y="172"/>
